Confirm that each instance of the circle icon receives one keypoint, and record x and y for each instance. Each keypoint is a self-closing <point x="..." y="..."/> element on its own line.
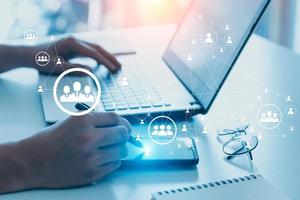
<point x="269" y="116"/>
<point x="76" y="92"/>
<point x="162" y="130"/>
<point x="42" y="58"/>
<point x="58" y="61"/>
<point x="30" y="36"/>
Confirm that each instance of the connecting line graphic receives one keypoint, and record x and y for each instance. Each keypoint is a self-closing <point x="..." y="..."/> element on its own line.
<point x="211" y="52"/>
<point x="208" y="44"/>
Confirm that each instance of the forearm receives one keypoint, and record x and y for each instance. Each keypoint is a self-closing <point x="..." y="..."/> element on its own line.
<point x="13" y="170"/>
<point x="12" y="57"/>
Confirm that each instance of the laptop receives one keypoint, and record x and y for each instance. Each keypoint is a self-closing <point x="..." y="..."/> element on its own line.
<point x="189" y="75"/>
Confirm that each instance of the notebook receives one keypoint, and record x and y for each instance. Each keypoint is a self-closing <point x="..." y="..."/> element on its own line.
<point x="252" y="187"/>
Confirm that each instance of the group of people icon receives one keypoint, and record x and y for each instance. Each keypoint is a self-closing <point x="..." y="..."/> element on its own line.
<point x="77" y="96"/>
<point x="269" y="117"/>
<point x="30" y="36"/>
<point x="162" y="130"/>
<point x="42" y="58"/>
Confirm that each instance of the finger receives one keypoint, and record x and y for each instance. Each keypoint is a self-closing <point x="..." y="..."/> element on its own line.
<point x="105" y="169"/>
<point x="84" y="49"/>
<point x="106" y="54"/>
<point x="66" y="66"/>
<point x="111" y="136"/>
<point x="109" y="154"/>
<point x="108" y="119"/>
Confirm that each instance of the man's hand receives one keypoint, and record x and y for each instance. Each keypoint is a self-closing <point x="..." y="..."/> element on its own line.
<point x="74" y="152"/>
<point x="70" y="47"/>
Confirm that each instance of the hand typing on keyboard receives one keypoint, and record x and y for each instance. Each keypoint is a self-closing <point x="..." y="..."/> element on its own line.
<point x="68" y="48"/>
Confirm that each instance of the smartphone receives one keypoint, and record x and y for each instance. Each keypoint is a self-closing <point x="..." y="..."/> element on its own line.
<point x="180" y="152"/>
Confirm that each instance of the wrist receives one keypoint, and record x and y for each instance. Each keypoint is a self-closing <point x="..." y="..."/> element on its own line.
<point x="26" y="56"/>
<point x="14" y="170"/>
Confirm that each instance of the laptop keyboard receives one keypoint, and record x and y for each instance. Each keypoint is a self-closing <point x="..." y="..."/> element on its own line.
<point x="125" y="90"/>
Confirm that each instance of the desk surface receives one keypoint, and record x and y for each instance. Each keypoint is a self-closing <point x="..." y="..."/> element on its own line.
<point x="262" y="65"/>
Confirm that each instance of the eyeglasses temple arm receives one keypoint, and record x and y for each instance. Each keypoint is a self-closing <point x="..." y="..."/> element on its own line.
<point x="232" y="156"/>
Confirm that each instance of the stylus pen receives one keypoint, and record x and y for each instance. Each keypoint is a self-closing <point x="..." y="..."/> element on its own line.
<point x="133" y="140"/>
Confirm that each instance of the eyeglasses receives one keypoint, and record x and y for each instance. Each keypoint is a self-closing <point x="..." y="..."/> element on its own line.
<point x="238" y="142"/>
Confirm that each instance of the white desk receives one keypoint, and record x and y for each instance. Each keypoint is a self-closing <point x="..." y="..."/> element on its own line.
<point x="262" y="64"/>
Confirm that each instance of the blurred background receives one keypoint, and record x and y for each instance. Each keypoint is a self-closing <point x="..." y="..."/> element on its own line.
<point x="281" y="23"/>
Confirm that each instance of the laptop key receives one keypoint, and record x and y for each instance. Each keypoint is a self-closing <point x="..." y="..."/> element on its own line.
<point x="156" y="103"/>
<point x="133" y="106"/>
<point x="145" y="104"/>
<point x="109" y="108"/>
<point x="122" y="107"/>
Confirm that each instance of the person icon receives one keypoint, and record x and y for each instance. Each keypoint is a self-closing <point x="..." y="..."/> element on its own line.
<point x="270" y="116"/>
<point x="65" y="96"/>
<point x="288" y="99"/>
<point x="204" y="131"/>
<point x="208" y="39"/>
<point x="162" y="131"/>
<point x="221" y="50"/>
<point x="169" y="130"/>
<point x="193" y="41"/>
<point x="187" y="111"/>
<point x="76" y="87"/>
<point x="88" y="96"/>
<point x="227" y="28"/>
<point x="189" y="57"/>
<point x="52" y="38"/>
<point x="178" y="145"/>
<point x="291" y="111"/>
<point x="229" y="40"/>
<point x="124" y="81"/>
<point x="275" y="118"/>
<point x="292" y="128"/>
<point x="266" y="90"/>
<point x="58" y="62"/>
<point x="184" y="129"/>
<point x="202" y="118"/>
<point x="155" y="130"/>
<point x="138" y="137"/>
<point x="40" y="89"/>
<point x="142" y="122"/>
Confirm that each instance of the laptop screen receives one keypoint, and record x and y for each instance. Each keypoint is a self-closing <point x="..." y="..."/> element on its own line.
<point x="208" y="42"/>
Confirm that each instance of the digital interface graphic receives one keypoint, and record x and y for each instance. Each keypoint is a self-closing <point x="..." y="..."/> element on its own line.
<point x="206" y="43"/>
<point x="66" y="91"/>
